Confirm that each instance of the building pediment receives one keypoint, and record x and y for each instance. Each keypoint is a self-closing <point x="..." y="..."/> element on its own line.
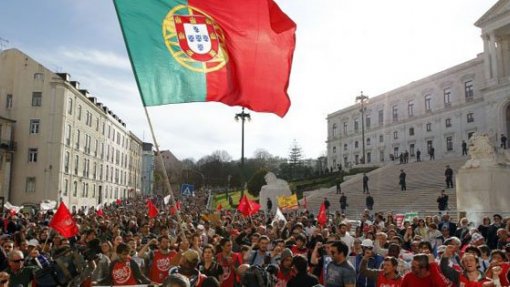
<point x="499" y="10"/>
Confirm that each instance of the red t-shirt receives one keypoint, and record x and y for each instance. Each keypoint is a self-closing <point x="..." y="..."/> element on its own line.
<point x="160" y="266"/>
<point x="283" y="278"/>
<point x="122" y="273"/>
<point x="385" y="282"/>
<point x="229" y="275"/>
<point x="503" y="277"/>
<point x="435" y="279"/>
<point x="299" y="251"/>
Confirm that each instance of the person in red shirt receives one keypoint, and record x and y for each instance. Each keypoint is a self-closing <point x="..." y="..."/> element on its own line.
<point x="124" y="270"/>
<point x="230" y="262"/>
<point x="387" y="277"/>
<point x="285" y="273"/>
<point x="470" y="277"/>
<point x="498" y="258"/>
<point x="159" y="259"/>
<point x="424" y="273"/>
<point x="300" y="247"/>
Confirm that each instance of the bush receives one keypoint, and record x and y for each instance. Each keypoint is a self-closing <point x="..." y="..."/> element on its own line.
<point x="256" y="182"/>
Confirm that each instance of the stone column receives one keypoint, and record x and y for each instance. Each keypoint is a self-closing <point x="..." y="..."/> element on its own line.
<point x="487" y="57"/>
<point x="493" y="55"/>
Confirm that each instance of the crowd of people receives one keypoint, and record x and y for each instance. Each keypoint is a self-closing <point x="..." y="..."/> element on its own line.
<point x="122" y="245"/>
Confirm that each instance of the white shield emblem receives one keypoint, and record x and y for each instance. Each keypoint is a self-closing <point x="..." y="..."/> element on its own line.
<point x="198" y="38"/>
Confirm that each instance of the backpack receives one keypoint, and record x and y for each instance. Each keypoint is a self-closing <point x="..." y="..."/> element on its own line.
<point x="256" y="276"/>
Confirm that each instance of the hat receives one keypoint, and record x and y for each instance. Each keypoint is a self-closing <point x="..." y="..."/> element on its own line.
<point x="367" y="243"/>
<point x="475" y="237"/>
<point x="286" y="253"/>
<point x="33" y="242"/>
<point x="441" y="248"/>
<point x="191" y="256"/>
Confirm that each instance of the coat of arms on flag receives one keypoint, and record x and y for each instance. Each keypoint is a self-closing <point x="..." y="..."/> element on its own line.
<point x="194" y="38"/>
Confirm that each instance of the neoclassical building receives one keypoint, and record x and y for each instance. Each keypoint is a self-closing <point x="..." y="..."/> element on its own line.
<point x="439" y="111"/>
<point x="69" y="146"/>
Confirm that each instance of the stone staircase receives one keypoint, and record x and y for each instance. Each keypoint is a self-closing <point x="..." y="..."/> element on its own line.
<point x="424" y="182"/>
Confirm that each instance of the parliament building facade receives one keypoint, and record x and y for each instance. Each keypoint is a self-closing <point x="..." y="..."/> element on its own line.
<point x="439" y="112"/>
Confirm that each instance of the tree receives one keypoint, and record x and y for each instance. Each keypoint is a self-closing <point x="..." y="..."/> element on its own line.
<point x="256" y="182"/>
<point x="295" y="159"/>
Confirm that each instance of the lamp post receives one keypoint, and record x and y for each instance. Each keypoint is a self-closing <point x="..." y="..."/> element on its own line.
<point x="243" y="116"/>
<point x="363" y="100"/>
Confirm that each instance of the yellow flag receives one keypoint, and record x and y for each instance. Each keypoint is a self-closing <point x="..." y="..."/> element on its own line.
<point x="287" y="202"/>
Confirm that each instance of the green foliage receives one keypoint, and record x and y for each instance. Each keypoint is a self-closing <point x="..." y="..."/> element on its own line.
<point x="256" y="182"/>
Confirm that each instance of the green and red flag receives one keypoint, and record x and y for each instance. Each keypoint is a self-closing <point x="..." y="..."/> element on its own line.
<point x="235" y="52"/>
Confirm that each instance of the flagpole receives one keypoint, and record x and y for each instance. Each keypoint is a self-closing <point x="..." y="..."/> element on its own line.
<point x="167" y="181"/>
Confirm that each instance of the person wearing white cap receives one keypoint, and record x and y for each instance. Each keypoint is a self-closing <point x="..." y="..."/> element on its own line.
<point x="373" y="261"/>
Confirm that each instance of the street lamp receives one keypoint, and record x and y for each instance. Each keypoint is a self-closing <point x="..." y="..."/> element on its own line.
<point x="363" y="100"/>
<point x="243" y="116"/>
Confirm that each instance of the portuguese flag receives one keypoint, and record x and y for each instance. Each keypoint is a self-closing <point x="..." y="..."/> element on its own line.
<point x="237" y="52"/>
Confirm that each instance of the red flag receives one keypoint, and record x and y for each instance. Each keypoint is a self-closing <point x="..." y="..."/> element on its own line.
<point x="13" y="212"/>
<point x="178" y="205"/>
<point x="247" y="207"/>
<point x="219" y="207"/>
<point x="100" y="212"/>
<point x="153" y="211"/>
<point x="63" y="222"/>
<point x="118" y="201"/>
<point x="322" y="217"/>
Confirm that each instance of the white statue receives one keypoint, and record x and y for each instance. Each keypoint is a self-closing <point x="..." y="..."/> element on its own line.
<point x="275" y="187"/>
<point x="481" y="151"/>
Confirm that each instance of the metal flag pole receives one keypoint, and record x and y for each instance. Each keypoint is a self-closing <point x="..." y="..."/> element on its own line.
<point x="165" y="176"/>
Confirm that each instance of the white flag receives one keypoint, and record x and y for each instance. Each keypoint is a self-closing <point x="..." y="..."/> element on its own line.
<point x="278" y="216"/>
<point x="166" y="199"/>
<point x="48" y="205"/>
<point x="9" y="206"/>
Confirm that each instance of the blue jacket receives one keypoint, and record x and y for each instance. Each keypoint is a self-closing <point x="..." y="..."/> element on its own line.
<point x="373" y="263"/>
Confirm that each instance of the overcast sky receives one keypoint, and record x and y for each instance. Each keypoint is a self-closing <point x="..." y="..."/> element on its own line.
<point x="343" y="47"/>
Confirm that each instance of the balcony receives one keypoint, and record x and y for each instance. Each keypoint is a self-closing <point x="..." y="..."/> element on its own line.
<point x="7" y="145"/>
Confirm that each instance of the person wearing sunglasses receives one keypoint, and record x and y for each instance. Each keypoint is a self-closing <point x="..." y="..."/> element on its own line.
<point x="20" y="275"/>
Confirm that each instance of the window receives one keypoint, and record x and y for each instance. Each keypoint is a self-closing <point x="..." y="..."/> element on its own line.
<point x="334" y="149"/>
<point x="381" y="117"/>
<point x="411" y="131"/>
<point x="39" y="76"/>
<point x="367" y="121"/>
<point x="345" y="146"/>
<point x="381" y="138"/>
<point x="345" y="128"/>
<point x="77" y="139"/>
<point x="70" y="106"/>
<point x="66" y="162"/>
<point x="93" y="191"/>
<point x="381" y="155"/>
<point x="76" y="164"/>
<point x="333" y="130"/>
<point x="369" y="157"/>
<point x="68" y="135"/>
<point x="79" y="112"/>
<point x="470" y="117"/>
<point x="448" y="123"/>
<point x="32" y="155"/>
<point x="66" y="187"/>
<point x="394" y="111"/>
<point x="411" y="149"/>
<point x="34" y="126"/>
<point x="429" y="127"/>
<point x="8" y="102"/>
<point x="83" y="187"/>
<point x="428" y="101"/>
<point x="36" y="99"/>
<point x="447" y="93"/>
<point x="368" y="141"/>
<point x="449" y="143"/>
<point x="30" y="185"/>
<point x="88" y="119"/>
<point x="395" y="135"/>
<point x="75" y="189"/>
<point x="356" y="144"/>
<point x="410" y="108"/>
<point x="94" y="172"/>
<point x="356" y="126"/>
<point x="96" y="147"/>
<point x="468" y="90"/>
